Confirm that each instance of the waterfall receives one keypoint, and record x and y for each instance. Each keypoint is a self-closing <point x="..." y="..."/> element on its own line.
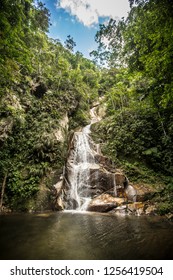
<point x="80" y="163"/>
<point x="90" y="180"/>
<point x="81" y="160"/>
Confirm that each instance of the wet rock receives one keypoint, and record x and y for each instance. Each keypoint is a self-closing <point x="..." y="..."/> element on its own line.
<point x="72" y="204"/>
<point x="151" y="210"/>
<point x="59" y="204"/>
<point x="120" y="210"/>
<point x="101" y="179"/>
<point x="90" y="175"/>
<point x="104" y="203"/>
<point x="120" y="179"/>
<point x="136" y="208"/>
<point x="103" y="161"/>
<point x="131" y="193"/>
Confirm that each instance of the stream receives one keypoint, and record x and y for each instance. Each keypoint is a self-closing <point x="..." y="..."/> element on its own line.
<point x="84" y="236"/>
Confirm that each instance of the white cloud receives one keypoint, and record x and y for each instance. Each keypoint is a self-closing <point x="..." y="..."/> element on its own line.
<point x="89" y="11"/>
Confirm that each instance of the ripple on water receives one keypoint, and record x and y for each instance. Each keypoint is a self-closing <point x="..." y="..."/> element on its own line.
<point x="76" y="235"/>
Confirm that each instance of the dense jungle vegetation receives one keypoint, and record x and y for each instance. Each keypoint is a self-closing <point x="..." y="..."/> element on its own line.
<point x="42" y="82"/>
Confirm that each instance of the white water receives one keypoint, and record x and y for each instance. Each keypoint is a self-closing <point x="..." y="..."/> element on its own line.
<point x="81" y="166"/>
<point x="82" y="160"/>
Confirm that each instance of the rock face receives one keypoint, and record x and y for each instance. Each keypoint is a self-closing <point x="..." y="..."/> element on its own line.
<point x="63" y="126"/>
<point x="12" y="105"/>
<point x="144" y="192"/>
<point x="86" y="173"/>
<point x="58" y="198"/>
<point x="92" y="183"/>
<point x="90" y="180"/>
<point x="101" y="180"/>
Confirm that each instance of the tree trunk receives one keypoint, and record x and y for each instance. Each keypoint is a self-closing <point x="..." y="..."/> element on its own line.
<point x="2" y="191"/>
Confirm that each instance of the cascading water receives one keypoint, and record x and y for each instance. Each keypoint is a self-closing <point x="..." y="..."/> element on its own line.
<point x="90" y="180"/>
<point x="79" y="178"/>
<point x="81" y="161"/>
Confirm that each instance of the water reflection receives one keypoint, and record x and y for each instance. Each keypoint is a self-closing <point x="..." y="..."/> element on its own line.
<point x="84" y="236"/>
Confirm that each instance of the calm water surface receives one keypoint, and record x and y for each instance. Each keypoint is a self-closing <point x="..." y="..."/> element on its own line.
<point x="84" y="236"/>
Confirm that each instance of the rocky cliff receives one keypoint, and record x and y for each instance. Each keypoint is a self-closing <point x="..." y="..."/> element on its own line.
<point x="91" y="181"/>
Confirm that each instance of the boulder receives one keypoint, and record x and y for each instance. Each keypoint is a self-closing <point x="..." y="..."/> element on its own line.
<point x="120" y="179"/>
<point x="120" y="210"/>
<point x="131" y="193"/>
<point x="104" y="203"/>
<point x="128" y="192"/>
<point x="136" y="208"/>
<point x="101" y="180"/>
<point x="151" y="210"/>
<point x="59" y="204"/>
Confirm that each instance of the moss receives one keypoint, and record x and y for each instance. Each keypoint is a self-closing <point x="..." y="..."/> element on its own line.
<point x="164" y="208"/>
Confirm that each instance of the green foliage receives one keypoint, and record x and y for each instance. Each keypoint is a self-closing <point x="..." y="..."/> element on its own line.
<point x="164" y="208"/>
<point x="164" y="199"/>
<point x="69" y="43"/>
<point x="137" y="134"/>
<point x="79" y="119"/>
<point x="137" y="87"/>
<point x="41" y="83"/>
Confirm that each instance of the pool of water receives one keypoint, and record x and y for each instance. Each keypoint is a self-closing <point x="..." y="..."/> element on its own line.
<point x="84" y="236"/>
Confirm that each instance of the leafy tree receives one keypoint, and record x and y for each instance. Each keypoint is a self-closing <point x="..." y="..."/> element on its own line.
<point x="41" y="17"/>
<point x="70" y="43"/>
<point x="41" y="84"/>
<point x="138" y="85"/>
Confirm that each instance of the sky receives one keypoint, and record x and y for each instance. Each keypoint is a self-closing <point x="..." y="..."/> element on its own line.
<point x="81" y="19"/>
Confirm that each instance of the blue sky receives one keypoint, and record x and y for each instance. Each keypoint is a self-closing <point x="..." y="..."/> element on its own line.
<point x="81" y="18"/>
